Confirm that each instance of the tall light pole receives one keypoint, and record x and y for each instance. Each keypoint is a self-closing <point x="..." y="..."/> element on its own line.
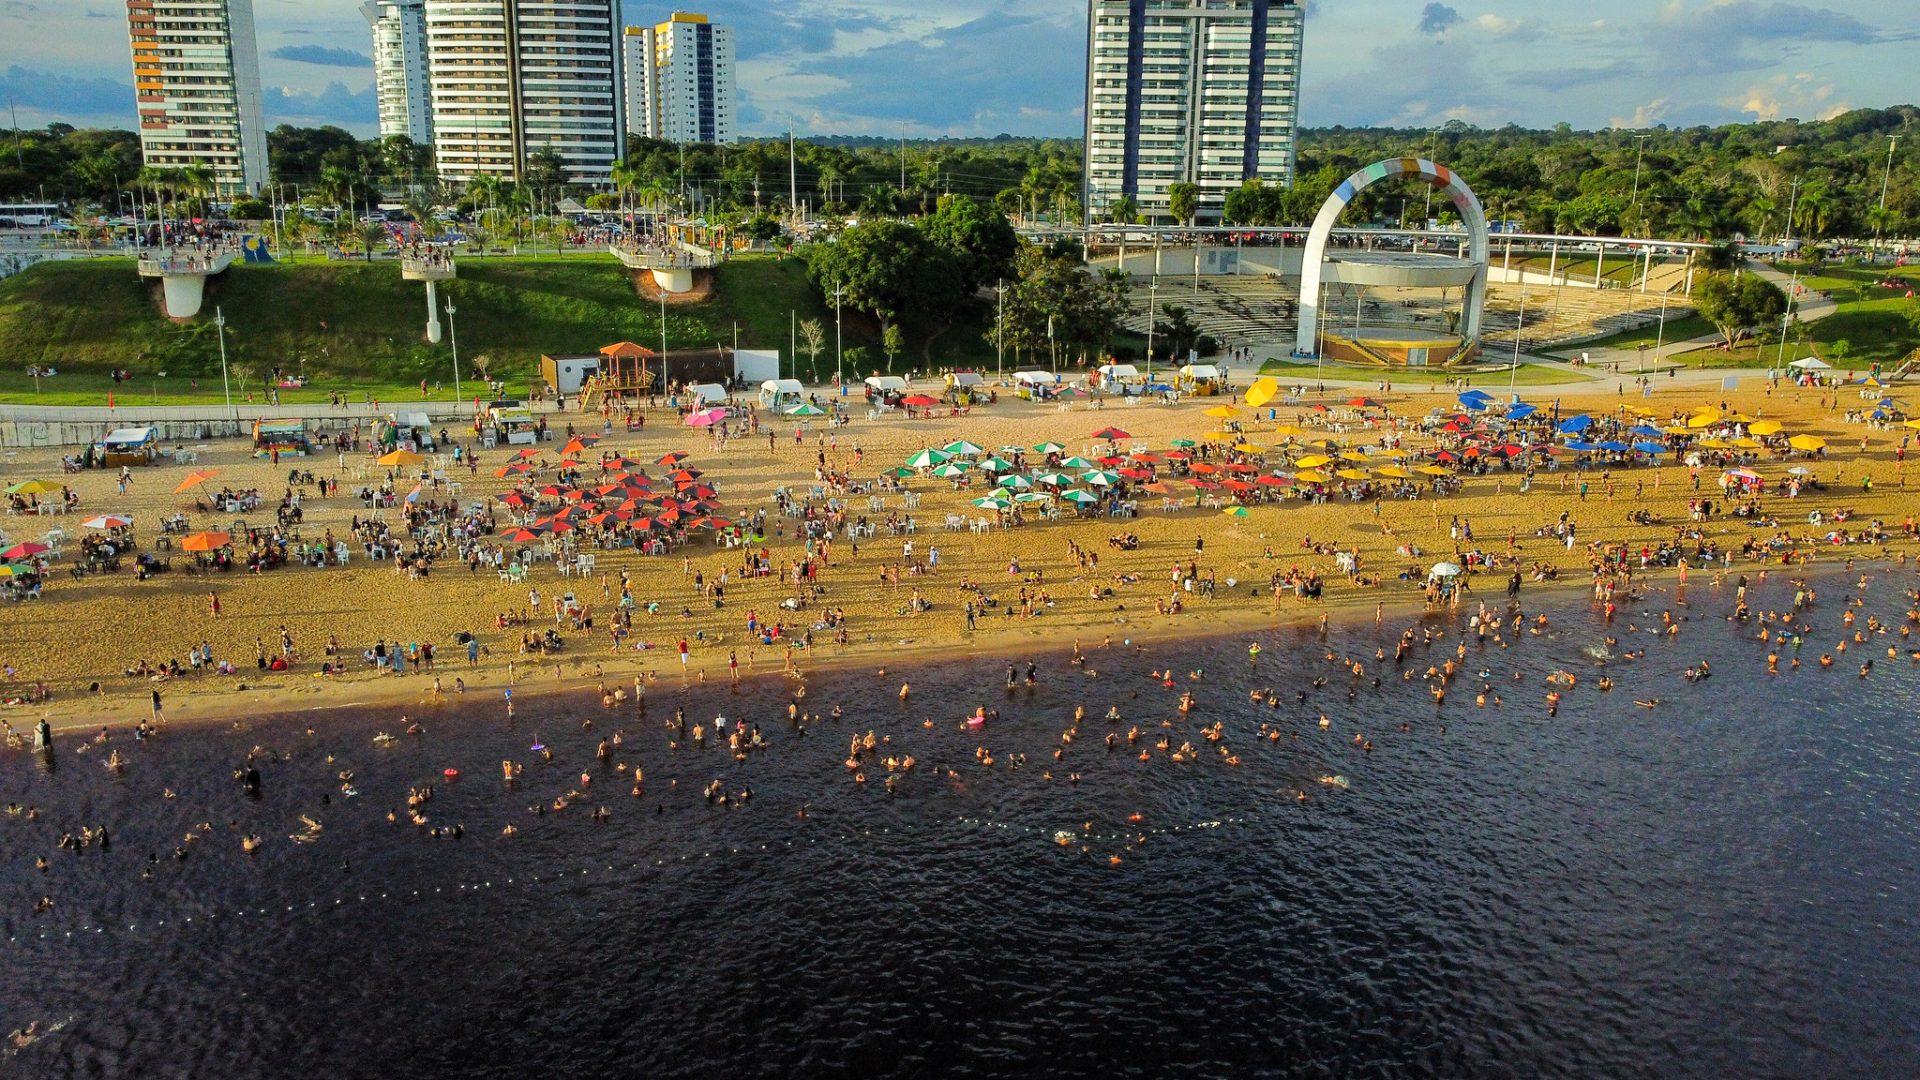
<point x="1886" y="175"/>
<point x="220" y="328"/>
<point x="837" y="291"/>
<point x="1660" y="335"/>
<point x="1053" y="354"/>
<point x="1793" y="200"/>
<point x="1513" y="374"/>
<point x="1633" y="201"/>
<point x="1000" y="331"/>
<point x="1153" y="312"/>
<point x="663" y="336"/>
<point x="1786" y="318"/>
<point x="453" y="336"/>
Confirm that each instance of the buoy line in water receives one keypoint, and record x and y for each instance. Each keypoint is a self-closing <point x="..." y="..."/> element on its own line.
<point x="212" y="916"/>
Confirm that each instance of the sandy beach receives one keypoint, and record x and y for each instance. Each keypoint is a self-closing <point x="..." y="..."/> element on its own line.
<point x="90" y="631"/>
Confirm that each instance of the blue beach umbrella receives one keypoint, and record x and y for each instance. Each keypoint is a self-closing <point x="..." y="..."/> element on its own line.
<point x="1650" y="448"/>
<point x="1583" y="447"/>
<point x="1575" y="424"/>
<point x="1521" y="411"/>
<point x="1611" y="446"/>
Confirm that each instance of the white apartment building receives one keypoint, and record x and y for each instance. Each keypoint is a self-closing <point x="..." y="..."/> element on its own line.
<point x="400" y="67"/>
<point x="680" y="79"/>
<point x="1197" y="91"/>
<point x="196" y="76"/>
<point x="509" y="78"/>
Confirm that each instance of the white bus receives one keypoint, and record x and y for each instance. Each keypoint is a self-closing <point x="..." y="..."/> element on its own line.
<point x="28" y="215"/>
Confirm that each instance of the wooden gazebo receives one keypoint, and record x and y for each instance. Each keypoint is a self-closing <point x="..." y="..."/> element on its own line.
<point x="623" y="374"/>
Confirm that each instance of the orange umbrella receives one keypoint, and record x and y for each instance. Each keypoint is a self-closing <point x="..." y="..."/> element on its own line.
<point x="196" y="478"/>
<point x="205" y="541"/>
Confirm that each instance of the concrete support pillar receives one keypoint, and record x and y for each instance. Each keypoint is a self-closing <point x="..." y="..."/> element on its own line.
<point x="433" y="314"/>
<point x="1599" y="266"/>
<point x="184" y="294"/>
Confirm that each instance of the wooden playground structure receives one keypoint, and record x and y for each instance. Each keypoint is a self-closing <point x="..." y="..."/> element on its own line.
<point x="623" y="376"/>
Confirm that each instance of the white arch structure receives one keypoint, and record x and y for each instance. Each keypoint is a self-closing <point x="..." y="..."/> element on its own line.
<point x="1307" y="340"/>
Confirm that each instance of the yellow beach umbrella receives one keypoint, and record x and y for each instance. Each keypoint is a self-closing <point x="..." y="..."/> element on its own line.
<point x="1738" y="418"/>
<point x="1747" y="442"/>
<point x="1352" y="474"/>
<point x="1314" y="461"/>
<point x="34" y="487"/>
<point x="1248" y="448"/>
<point x="1353" y="455"/>
<point x="1807" y="442"/>
<point x="1289" y="431"/>
<point x="1713" y="444"/>
<point x="1704" y="418"/>
<point x="1431" y="470"/>
<point x="1680" y="429"/>
<point x="1262" y="391"/>
<point x="1223" y="436"/>
<point x="1393" y="472"/>
<point x="1223" y="412"/>
<point x="1310" y="476"/>
<point x="1765" y="427"/>
<point x="1914" y="423"/>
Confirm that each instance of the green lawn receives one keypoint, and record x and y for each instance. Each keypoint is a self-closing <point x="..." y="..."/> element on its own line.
<point x="1876" y="331"/>
<point x="356" y="326"/>
<point x="1851" y="284"/>
<point x="1528" y="375"/>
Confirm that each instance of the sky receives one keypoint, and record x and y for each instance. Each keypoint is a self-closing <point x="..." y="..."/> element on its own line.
<point x="983" y="67"/>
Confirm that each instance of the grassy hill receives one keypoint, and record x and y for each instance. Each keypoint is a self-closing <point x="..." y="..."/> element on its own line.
<point x="358" y="325"/>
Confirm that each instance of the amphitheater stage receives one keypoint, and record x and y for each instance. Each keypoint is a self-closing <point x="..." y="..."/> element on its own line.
<point x="1390" y="346"/>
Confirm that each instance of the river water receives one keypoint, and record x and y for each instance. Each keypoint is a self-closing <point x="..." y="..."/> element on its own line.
<point x="1721" y="885"/>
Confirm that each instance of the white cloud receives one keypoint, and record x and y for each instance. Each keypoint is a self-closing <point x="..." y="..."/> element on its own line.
<point x="1800" y="95"/>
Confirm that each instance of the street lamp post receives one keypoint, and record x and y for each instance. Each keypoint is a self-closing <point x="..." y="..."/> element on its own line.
<point x="1153" y="309"/>
<point x="837" y="291"/>
<point x="220" y="329"/>
<point x="663" y="334"/>
<point x="1885" y="175"/>
<point x="1513" y="374"/>
<point x="453" y="337"/>
<point x="1633" y="201"/>
<point x="1660" y="335"/>
<point x="1000" y="331"/>
<point x="1053" y="354"/>
<point x="1786" y="318"/>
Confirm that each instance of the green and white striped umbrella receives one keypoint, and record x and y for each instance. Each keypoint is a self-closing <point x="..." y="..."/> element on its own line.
<point x="1081" y="497"/>
<point x="951" y="469"/>
<point x="1077" y="462"/>
<point x="962" y="448"/>
<point x="1057" y="479"/>
<point x="806" y="408"/>
<point x="992" y="502"/>
<point x="1048" y="448"/>
<point x="1101" y="478"/>
<point x="1016" y="482"/>
<point x="926" y="459"/>
<point x="1032" y="497"/>
<point x="995" y="464"/>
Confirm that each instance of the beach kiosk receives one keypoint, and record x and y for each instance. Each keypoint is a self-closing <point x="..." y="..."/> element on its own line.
<point x="707" y="393"/>
<point x="1200" y="380"/>
<point x="130" y="446"/>
<point x="410" y="430"/>
<point x="1032" y="384"/>
<point x="965" y="388"/>
<point x="285" y="437"/>
<point x="1118" y="379"/>
<point x="885" y="390"/>
<point x="513" y="426"/>
<point x="782" y="394"/>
